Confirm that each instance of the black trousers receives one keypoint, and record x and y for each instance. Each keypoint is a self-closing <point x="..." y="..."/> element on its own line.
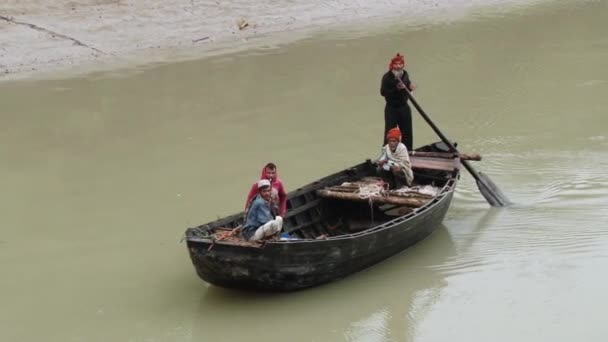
<point x="399" y="116"/>
<point x="394" y="181"/>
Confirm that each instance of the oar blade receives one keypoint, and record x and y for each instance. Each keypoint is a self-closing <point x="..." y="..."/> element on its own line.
<point x="488" y="189"/>
<point x="491" y="192"/>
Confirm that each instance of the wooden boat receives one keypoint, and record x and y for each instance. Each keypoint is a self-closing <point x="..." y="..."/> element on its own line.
<point x="332" y="231"/>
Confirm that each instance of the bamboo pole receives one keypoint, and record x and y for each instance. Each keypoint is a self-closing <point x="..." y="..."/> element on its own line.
<point x="405" y="201"/>
<point x="447" y="155"/>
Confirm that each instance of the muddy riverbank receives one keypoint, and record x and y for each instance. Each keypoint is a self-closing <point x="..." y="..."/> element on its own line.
<point x="74" y="36"/>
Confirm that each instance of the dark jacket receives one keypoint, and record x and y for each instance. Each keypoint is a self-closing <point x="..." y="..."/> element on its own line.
<point x="259" y="213"/>
<point x="393" y="95"/>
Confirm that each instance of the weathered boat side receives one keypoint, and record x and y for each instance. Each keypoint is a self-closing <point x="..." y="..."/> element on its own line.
<point x="292" y="265"/>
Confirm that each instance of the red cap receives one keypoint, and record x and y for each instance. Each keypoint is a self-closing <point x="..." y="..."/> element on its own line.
<point x="398" y="59"/>
<point x="394" y="133"/>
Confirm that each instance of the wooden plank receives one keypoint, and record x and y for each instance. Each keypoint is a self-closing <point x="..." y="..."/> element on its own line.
<point x="448" y="155"/>
<point x="405" y="201"/>
<point x="302" y="208"/>
<point x="300" y="226"/>
<point x="356" y="190"/>
<point x="441" y="164"/>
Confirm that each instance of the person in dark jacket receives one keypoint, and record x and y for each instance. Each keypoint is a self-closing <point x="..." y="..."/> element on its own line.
<point x="261" y="221"/>
<point x="396" y="111"/>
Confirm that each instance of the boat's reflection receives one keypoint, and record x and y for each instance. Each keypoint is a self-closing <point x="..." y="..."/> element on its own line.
<point x="384" y="302"/>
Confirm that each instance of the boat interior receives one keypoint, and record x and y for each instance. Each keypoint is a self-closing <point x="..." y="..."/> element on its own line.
<point x="351" y="201"/>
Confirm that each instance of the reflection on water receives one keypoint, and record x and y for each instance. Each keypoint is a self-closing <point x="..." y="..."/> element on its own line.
<point x="378" y="304"/>
<point x="100" y="176"/>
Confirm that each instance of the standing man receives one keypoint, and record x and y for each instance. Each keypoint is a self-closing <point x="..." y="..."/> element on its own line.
<point x="397" y="112"/>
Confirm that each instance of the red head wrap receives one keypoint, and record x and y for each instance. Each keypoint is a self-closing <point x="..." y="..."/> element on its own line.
<point x="398" y="59"/>
<point x="394" y="133"/>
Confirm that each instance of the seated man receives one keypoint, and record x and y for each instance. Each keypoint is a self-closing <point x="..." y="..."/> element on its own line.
<point x="394" y="165"/>
<point x="260" y="222"/>
<point x="277" y="189"/>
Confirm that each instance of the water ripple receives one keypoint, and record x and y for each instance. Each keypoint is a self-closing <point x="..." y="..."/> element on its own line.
<point x="522" y="234"/>
<point x="550" y="179"/>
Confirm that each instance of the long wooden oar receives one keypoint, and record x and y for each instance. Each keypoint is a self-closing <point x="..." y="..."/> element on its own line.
<point x="487" y="187"/>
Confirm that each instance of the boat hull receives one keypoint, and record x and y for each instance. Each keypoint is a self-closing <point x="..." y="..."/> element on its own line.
<point x="293" y="265"/>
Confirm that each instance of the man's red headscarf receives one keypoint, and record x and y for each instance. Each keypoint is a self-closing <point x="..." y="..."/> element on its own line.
<point x="394" y="133"/>
<point x="398" y="59"/>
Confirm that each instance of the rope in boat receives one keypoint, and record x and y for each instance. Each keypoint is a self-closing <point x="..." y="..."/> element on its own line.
<point x="418" y="189"/>
<point x="228" y="234"/>
<point x="369" y="190"/>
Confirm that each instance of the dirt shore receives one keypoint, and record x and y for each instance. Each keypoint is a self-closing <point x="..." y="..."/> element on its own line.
<point x="85" y="35"/>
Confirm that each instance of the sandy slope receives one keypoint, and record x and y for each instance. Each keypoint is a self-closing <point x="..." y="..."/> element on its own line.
<point x="81" y="35"/>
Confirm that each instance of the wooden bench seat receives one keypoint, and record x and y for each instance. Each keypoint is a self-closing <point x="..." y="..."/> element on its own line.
<point x="430" y="163"/>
